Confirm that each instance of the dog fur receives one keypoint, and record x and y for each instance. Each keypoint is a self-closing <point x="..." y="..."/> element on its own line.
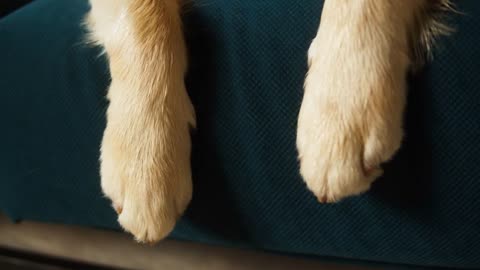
<point x="350" y="120"/>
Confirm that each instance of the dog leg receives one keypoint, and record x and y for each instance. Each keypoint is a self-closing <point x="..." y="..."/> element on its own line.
<point x="350" y="120"/>
<point x="145" y="155"/>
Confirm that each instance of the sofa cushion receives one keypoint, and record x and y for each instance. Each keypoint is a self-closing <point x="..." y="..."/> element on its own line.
<point x="247" y="65"/>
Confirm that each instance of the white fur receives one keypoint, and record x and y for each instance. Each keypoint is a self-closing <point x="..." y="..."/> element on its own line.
<point x="350" y="121"/>
<point x="145" y="168"/>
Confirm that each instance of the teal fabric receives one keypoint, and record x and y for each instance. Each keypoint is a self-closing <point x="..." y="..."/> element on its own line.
<point x="247" y="64"/>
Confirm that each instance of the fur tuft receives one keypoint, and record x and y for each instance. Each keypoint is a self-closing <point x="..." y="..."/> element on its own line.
<point x="430" y="24"/>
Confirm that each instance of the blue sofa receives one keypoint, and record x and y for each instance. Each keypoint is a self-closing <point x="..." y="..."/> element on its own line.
<point x="247" y="66"/>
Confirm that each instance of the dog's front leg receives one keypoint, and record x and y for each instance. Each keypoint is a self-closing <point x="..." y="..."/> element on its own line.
<point x="350" y="121"/>
<point x="145" y="155"/>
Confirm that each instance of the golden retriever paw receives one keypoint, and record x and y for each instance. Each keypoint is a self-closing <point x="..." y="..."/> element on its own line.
<point x="350" y="120"/>
<point x="145" y="171"/>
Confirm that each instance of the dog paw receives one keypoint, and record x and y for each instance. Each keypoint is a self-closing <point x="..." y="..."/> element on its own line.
<point x="350" y="119"/>
<point x="145" y="171"/>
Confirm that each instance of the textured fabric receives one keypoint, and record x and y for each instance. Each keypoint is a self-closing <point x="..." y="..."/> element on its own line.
<point x="247" y="65"/>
